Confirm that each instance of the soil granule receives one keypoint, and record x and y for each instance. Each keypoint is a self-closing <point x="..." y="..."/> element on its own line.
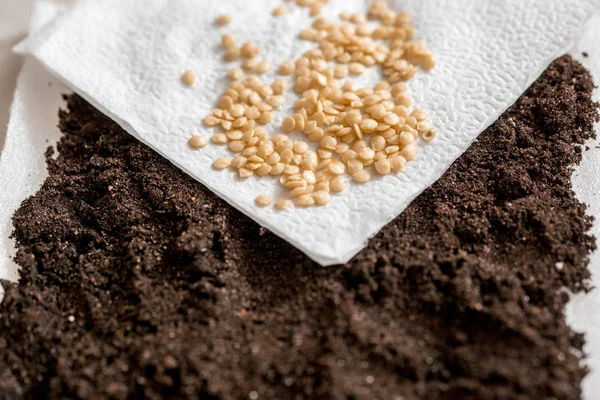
<point x="138" y="283"/>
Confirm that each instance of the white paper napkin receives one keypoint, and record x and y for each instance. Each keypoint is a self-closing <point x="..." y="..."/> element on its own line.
<point x="127" y="56"/>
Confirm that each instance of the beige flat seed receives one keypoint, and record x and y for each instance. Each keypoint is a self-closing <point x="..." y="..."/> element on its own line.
<point x="366" y="154"/>
<point x="237" y="146"/>
<point x="356" y="69"/>
<point x="322" y="198"/>
<point x="378" y="143"/>
<point x="354" y="167"/>
<point x="225" y="103"/>
<point x="406" y="138"/>
<point x="188" y="78"/>
<point x="287" y="68"/>
<point x="277" y="169"/>
<point x="368" y="125"/>
<point x="337" y="184"/>
<point x="232" y="54"/>
<point x="362" y="176"/>
<point x="349" y="156"/>
<point x="234" y="135"/>
<point x="306" y="200"/>
<point x="264" y="201"/>
<point x="279" y="86"/>
<point x="228" y="41"/>
<point x="211" y="120"/>
<point x="337" y="167"/>
<point x="299" y="191"/>
<point x="328" y="142"/>
<point x="291" y="170"/>
<point x="265" y="118"/>
<point x="398" y="163"/>
<point x="238" y="162"/>
<point x="282" y="204"/>
<point x="383" y="166"/>
<point x="324" y="154"/>
<point x="224" y="19"/>
<point x="288" y="124"/>
<point x="222" y="163"/>
<point x="279" y="11"/>
<point x="197" y="142"/>
<point x="262" y="67"/>
<point x="409" y="152"/>
<point x="245" y="173"/>
<point x="219" y="138"/>
<point x="300" y="147"/>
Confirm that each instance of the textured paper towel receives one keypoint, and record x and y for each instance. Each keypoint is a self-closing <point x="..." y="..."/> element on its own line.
<point x="31" y="131"/>
<point x="126" y="57"/>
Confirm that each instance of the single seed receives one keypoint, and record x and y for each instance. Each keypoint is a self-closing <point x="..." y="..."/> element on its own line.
<point x="362" y="177"/>
<point x="354" y="167"/>
<point x="287" y="68"/>
<point x="322" y="198"/>
<point x="262" y="67"/>
<point x="337" y="184"/>
<point x="277" y="169"/>
<point x="300" y="191"/>
<point x="232" y="54"/>
<point x="328" y="142"/>
<point x="398" y="163"/>
<point x="305" y="200"/>
<point x="224" y="19"/>
<point x="234" y="135"/>
<point x="263" y="201"/>
<point x="391" y="119"/>
<point x="368" y="125"/>
<point x="383" y="166"/>
<point x="406" y="138"/>
<point x="245" y="172"/>
<point x="211" y="120"/>
<point x="404" y="99"/>
<point x="282" y="204"/>
<point x="366" y="154"/>
<point x="279" y="86"/>
<point x="419" y="114"/>
<point x="309" y="177"/>
<point x="286" y="156"/>
<point x="236" y="73"/>
<point x="337" y="167"/>
<point x="288" y="124"/>
<point x="265" y="118"/>
<point x="378" y="143"/>
<point x="356" y="69"/>
<point x="409" y="152"/>
<point x="279" y="11"/>
<point x="198" y="142"/>
<point x="228" y="41"/>
<point x="353" y="117"/>
<point x="300" y="147"/>
<point x="219" y="138"/>
<point x="188" y="78"/>
<point x="238" y="162"/>
<point x="222" y="163"/>
<point x="225" y="103"/>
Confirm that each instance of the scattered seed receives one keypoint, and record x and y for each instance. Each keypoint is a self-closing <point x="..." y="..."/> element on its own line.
<point x="198" y="142"/>
<point x="279" y="11"/>
<point x="322" y="198"/>
<point x="263" y="201"/>
<point x="224" y="19"/>
<point x="282" y="204"/>
<point x="305" y="200"/>
<point x="362" y="176"/>
<point x="222" y="163"/>
<point x="188" y="78"/>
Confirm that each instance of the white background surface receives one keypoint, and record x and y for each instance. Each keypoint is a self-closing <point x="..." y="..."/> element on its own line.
<point x="582" y="311"/>
<point x="14" y="17"/>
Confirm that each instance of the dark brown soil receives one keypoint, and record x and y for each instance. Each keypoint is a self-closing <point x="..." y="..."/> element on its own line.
<point x="139" y="283"/>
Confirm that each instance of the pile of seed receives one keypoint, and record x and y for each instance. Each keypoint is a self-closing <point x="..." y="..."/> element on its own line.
<point x="357" y="131"/>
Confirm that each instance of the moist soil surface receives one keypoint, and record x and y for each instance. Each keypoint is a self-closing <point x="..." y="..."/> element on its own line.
<point x="138" y="283"/>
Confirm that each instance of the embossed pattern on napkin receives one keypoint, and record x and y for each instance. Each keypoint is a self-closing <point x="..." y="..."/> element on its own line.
<point x="126" y="57"/>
